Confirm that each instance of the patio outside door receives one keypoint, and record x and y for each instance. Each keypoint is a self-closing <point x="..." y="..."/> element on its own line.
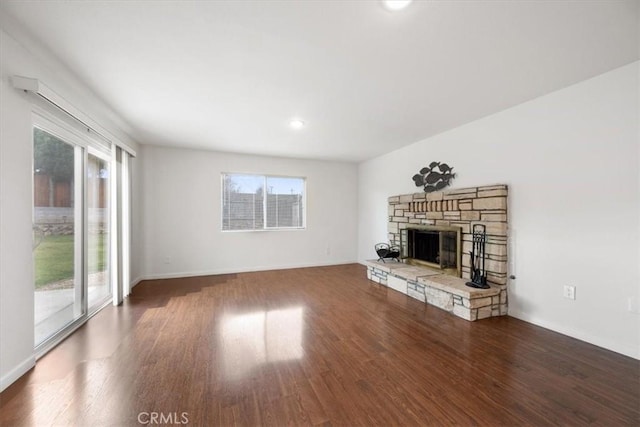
<point x="57" y="234"/>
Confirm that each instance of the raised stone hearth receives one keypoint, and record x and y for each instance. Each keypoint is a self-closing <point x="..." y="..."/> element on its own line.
<point x="461" y="208"/>
<point x="441" y="290"/>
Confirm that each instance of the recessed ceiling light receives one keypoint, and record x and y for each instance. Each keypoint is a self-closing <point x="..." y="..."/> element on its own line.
<point x="296" y="124"/>
<point x="396" y="4"/>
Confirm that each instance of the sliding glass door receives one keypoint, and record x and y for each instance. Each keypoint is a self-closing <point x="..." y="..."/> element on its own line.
<point x="98" y="230"/>
<point x="57" y="233"/>
<point x="72" y="227"/>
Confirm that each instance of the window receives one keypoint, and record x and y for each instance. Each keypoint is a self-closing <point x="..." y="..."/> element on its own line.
<point x="258" y="202"/>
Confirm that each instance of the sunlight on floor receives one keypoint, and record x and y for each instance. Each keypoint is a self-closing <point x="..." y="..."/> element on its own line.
<point x="253" y="339"/>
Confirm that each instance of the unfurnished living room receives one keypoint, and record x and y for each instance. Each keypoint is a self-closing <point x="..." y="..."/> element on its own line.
<point x="336" y="213"/>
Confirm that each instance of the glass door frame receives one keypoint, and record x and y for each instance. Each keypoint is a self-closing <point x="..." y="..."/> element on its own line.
<point x="105" y="156"/>
<point x="83" y="143"/>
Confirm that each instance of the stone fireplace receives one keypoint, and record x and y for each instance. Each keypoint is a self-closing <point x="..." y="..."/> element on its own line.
<point x="434" y="232"/>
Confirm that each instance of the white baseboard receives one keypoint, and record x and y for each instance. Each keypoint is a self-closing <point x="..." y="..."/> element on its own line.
<point x="135" y="281"/>
<point x="177" y="275"/>
<point x="18" y="371"/>
<point x="616" y="347"/>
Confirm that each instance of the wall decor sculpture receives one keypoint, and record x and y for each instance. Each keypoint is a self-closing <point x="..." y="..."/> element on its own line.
<point x="434" y="177"/>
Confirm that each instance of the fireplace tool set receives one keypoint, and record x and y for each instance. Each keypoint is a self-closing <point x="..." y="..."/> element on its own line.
<point x="478" y="257"/>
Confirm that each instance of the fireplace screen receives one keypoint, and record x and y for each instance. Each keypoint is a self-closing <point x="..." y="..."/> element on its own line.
<point x="432" y="246"/>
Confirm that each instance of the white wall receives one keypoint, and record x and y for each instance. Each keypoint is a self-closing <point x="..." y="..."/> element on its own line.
<point x="16" y="277"/>
<point x="182" y="209"/>
<point x="570" y="159"/>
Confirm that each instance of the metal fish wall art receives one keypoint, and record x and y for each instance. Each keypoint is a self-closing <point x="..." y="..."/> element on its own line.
<point x="434" y="177"/>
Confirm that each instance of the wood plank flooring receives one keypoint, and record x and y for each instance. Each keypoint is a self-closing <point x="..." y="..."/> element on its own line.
<point x="315" y="346"/>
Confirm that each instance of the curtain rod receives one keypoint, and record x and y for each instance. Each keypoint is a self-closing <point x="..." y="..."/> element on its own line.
<point x="35" y="86"/>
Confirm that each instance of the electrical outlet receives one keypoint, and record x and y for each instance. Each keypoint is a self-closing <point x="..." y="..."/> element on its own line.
<point x="632" y="305"/>
<point x="167" y="260"/>
<point x="570" y="292"/>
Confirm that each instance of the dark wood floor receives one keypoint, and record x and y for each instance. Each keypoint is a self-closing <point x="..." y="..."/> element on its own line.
<point x="320" y="346"/>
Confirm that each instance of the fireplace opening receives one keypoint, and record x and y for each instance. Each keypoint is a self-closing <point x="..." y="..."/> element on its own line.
<point x="425" y="245"/>
<point x="433" y="246"/>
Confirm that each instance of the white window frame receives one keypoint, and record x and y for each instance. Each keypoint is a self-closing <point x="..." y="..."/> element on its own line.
<point x="264" y="204"/>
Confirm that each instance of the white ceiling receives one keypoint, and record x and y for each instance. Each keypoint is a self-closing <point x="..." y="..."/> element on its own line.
<point x="230" y="75"/>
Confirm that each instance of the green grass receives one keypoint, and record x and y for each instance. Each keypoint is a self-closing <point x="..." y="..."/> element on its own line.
<point x="54" y="258"/>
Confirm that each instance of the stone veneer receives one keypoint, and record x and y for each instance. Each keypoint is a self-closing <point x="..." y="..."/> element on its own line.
<point x="464" y="208"/>
<point x="441" y="290"/>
